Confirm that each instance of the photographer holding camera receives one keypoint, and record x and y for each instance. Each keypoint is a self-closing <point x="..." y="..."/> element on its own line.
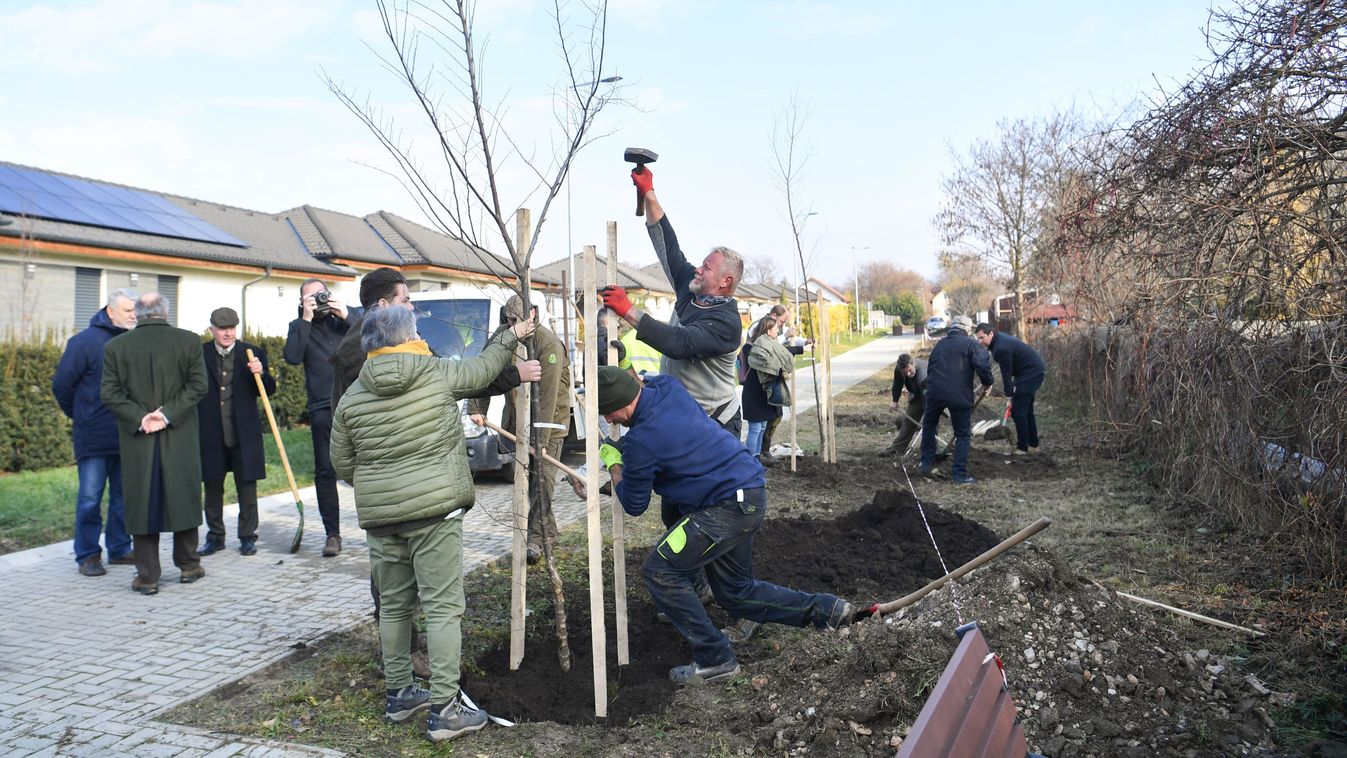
<point x="314" y="336"/>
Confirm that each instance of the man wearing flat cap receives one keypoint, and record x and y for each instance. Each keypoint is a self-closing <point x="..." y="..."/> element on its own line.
<point x="231" y="430"/>
<point x="676" y="450"/>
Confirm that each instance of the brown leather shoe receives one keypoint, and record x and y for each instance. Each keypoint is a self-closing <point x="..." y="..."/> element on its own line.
<point x="123" y="560"/>
<point x="92" y="566"/>
<point x="332" y="546"/>
<point x="420" y="665"/>
<point x="192" y="574"/>
<point x="143" y="587"/>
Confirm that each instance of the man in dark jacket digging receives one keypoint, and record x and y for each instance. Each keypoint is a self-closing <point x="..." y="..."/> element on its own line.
<point x="950" y="369"/>
<point x="910" y="375"/>
<point x="674" y="449"/>
<point x="94" y="434"/>
<point x="1022" y="372"/>
<point x="231" y="431"/>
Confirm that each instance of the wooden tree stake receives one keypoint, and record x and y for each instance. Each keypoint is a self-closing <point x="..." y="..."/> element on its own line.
<point x="619" y="527"/>
<point x="520" y="494"/>
<point x="598" y="632"/>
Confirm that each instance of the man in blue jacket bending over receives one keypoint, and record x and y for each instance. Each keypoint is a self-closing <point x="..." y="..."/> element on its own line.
<point x="674" y="449"/>
<point x="1022" y="372"/>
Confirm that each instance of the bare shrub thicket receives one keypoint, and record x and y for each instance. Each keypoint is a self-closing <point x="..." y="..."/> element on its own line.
<point x="1205" y="242"/>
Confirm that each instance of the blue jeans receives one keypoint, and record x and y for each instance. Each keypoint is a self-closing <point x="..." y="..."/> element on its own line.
<point x="962" y="420"/>
<point x="1022" y="411"/>
<point x="95" y="472"/>
<point x="755" y="432"/>
<point x="719" y="540"/>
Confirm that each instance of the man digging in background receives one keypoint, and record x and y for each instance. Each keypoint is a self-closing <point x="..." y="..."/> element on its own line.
<point x="910" y="375"/>
<point x="950" y="369"/>
<point x="674" y="449"/>
<point x="1022" y="372"/>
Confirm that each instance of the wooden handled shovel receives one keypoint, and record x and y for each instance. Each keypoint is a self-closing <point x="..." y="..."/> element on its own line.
<point x="285" y="460"/>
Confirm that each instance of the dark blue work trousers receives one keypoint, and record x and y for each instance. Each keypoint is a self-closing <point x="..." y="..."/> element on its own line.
<point x="719" y="541"/>
<point x="1022" y="412"/>
<point x="962" y="420"/>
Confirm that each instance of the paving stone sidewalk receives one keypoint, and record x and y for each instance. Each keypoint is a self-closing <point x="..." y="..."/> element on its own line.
<point x="86" y="664"/>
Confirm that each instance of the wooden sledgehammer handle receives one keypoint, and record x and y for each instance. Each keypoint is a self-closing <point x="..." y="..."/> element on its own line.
<point x="977" y="562"/>
<point x="564" y="468"/>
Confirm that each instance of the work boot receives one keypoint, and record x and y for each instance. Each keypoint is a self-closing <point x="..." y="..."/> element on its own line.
<point x="144" y="587"/>
<point x="845" y="613"/>
<point x="400" y="705"/>
<point x="696" y="675"/>
<point x="123" y="560"/>
<point x="965" y="479"/>
<point x="766" y="460"/>
<point x="210" y="547"/>
<point x="453" y="720"/>
<point x="192" y="574"/>
<point x="92" y="566"/>
<point x="248" y="546"/>
<point x="333" y="546"/>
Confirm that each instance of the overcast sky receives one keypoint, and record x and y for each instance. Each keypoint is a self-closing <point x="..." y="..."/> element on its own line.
<point x="224" y="101"/>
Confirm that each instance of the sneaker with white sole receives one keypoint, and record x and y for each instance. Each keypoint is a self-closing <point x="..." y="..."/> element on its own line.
<point x="404" y="703"/>
<point x="454" y="720"/>
<point x="697" y="675"/>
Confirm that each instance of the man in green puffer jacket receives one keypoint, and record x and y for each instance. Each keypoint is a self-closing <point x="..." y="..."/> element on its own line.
<point x="397" y="436"/>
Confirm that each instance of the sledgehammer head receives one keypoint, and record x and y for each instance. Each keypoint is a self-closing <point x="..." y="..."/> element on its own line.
<point x="640" y="156"/>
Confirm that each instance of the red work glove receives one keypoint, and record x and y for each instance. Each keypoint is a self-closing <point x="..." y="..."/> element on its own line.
<point x="643" y="179"/>
<point x="616" y="298"/>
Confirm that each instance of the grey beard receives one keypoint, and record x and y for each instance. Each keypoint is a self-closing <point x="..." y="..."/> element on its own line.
<point x="695" y="286"/>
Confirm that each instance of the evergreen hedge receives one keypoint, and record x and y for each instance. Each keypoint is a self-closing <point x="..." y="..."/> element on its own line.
<point x="35" y="434"/>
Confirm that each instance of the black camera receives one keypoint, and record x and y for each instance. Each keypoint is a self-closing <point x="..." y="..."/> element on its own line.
<point x="320" y="306"/>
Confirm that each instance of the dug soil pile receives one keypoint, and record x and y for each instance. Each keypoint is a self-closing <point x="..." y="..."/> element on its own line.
<point x="1090" y="675"/>
<point x="878" y="551"/>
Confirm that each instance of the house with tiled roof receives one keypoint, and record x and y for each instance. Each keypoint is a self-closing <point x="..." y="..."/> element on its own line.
<point x="650" y="290"/>
<point x="66" y="242"/>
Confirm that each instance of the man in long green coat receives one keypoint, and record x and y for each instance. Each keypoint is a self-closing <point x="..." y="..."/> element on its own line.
<point x="153" y="378"/>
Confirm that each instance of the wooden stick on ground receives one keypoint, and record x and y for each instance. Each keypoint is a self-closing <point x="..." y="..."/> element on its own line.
<point x="977" y="562"/>
<point x="618" y="515"/>
<point x="520" y="494"/>
<point x="598" y="632"/>
<point x="1185" y="614"/>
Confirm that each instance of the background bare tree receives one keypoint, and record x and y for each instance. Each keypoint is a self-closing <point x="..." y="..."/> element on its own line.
<point x="879" y="279"/>
<point x="1207" y="242"/>
<point x="968" y="283"/>
<point x="999" y="191"/>
<point x="762" y="269"/>
<point x="431" y="49"/>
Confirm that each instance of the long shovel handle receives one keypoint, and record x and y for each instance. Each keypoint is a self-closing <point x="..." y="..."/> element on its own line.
<point x="285" y="460"/>
<point x="986" y="557"/>
<point x="564" y="468"/>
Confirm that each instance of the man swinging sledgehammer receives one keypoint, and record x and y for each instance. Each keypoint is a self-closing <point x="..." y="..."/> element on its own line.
<point x="673" y="448"/>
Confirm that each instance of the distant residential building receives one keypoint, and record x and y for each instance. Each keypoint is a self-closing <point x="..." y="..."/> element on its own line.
<point x="71" y="241"/>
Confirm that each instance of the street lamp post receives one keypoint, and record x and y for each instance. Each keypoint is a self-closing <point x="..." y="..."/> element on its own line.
<point x="570" y="247"/>
<point x="856" y="282"/>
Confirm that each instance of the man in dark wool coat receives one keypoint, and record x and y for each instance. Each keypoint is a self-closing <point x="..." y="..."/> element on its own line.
<point x="231" y="431"/>
<point x="153" y="378"/>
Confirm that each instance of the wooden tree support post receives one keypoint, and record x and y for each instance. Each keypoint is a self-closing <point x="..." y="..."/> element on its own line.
<point x="823" y="354"/>
<point x="619" y="528"/>
<point x="598" y="633"/>
<point x="520" y="494"/>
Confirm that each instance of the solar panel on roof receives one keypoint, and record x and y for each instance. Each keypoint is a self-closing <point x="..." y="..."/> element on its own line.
<point x="26" y="192"/>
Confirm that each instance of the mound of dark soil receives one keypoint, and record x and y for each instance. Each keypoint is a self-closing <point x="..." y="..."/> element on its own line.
<point x="878" y="552"/>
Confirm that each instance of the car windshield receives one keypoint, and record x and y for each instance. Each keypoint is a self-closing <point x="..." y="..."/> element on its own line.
<point x="454" y="328"/>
